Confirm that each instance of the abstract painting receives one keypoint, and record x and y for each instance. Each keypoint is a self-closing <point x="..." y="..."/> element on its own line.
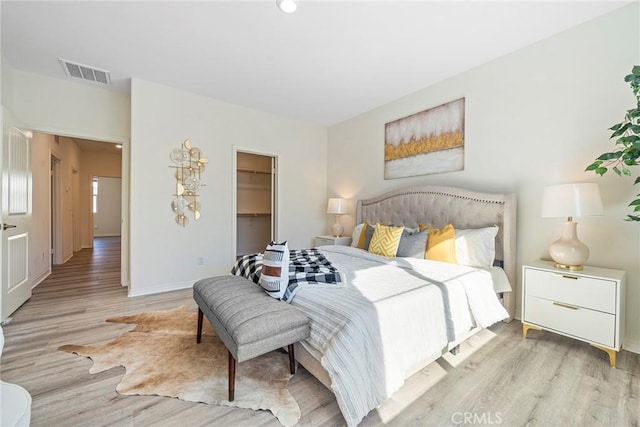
<point x="431" y="141"/>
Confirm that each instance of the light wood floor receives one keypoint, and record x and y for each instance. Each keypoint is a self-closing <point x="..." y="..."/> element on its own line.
<point x="498" y="378"/>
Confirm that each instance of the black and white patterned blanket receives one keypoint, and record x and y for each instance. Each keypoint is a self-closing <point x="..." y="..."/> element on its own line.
<point x="306" y="267"/>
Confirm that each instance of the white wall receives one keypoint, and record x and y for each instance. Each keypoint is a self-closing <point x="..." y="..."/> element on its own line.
<point x="92" y="164"/>
<point x="42" y="148"/>
<point x="40" y="244"/>
<point x="60" y="107"/>
<point x="106" y="221"/>
<point x="535" y="117"/>
<point x="165" y="255"/>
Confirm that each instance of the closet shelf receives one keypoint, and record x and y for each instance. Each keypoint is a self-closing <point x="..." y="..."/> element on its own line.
<point x="261" y="187"/>
<point x="253" y="214"/>
<point x="253" y="171"/>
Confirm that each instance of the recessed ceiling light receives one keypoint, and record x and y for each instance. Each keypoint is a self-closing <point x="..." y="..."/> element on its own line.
<point x="287" y="6"/>
<point x="118" y="145"/>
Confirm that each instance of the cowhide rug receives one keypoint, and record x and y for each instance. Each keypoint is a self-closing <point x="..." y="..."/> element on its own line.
<point x="161" y="358"/>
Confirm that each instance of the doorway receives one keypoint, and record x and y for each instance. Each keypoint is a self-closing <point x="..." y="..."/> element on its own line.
<point x="256" y="201"/>
<point x="106" y="206"/>
<point x="74" y="162"/>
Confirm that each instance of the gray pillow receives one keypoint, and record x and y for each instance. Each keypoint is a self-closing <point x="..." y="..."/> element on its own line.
<point x="412" y="245"/>
<point x="367" y="237"/>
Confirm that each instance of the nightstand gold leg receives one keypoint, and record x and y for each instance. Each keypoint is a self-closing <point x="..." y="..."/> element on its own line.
<point x="612" y="354"/>
<point x="526" y="327"/>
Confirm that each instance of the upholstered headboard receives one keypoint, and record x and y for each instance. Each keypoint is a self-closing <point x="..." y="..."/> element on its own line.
<point x="439" y="206"/>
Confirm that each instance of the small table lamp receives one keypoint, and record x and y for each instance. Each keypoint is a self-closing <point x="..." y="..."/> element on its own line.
<point x="569" y="200"/>
<point x="337" y="207"/>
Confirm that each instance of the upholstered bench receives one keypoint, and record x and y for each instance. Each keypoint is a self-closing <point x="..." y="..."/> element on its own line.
<point x="249" y="322"/>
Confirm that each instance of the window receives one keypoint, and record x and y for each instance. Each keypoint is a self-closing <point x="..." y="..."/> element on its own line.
<point x="95" y="195"/>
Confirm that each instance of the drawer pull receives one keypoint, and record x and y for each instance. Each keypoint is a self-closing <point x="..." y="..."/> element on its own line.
<point x="566" y="276"/>
<point x="559" y="304"/>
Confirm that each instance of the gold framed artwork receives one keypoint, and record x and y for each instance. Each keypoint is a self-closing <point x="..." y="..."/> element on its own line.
<point x="431" y="141"/>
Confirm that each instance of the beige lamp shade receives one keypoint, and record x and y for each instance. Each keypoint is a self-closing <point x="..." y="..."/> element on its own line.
<point x="337" y="207"/>
<point x="570" y="200"/>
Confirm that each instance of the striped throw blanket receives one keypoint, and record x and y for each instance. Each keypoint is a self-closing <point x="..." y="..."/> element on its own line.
<point x="307" y="267"/>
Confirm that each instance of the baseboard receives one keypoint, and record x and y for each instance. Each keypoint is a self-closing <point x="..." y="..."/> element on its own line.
<point x="631" y="346"/>
<point x="41" y="278"/>
<point x="167" y="287"/>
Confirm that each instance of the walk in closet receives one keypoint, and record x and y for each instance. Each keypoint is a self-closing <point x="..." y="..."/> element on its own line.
<point x="255" y="195"/>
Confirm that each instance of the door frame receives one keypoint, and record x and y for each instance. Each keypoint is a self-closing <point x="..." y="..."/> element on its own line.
<point x="125" y="166"/>
<point x="275" y="217"/>
<point x="55" y="210"/>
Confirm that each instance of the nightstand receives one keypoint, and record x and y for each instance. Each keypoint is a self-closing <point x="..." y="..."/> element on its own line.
<point x="587" y="305"/>
<point x="333" y="240"/>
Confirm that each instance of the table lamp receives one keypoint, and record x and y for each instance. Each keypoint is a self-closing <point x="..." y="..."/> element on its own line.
<point x="570" y="200"/>
<point x="337" y="207"/>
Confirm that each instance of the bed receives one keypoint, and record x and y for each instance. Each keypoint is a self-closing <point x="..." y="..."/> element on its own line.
<point x="390" y="317"/>
<point x="415" y="320"/>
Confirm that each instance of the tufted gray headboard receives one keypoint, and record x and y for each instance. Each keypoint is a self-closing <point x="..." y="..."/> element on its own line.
<point x="439" y="206"/>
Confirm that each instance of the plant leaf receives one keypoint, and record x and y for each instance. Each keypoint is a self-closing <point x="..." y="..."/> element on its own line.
<point x="601" y="170"/>
<point x="594" y="165"/>
<point x="620" y="130"/>
<point x="637" y="180"/>
<point x="610" y="156"/>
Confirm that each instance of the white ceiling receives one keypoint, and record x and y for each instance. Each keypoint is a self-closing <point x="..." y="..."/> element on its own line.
<point x="327" y="62"/>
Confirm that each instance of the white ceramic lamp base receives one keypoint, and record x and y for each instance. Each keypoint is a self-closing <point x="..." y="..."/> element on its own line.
<point x="337" y="229"/>
<point x="569" y="252"/>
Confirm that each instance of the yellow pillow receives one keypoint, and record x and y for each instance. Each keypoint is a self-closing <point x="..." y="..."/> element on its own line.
<point x="385" y="240"/>
<point x="441" y="244"/>
<point x="363" y="236"/>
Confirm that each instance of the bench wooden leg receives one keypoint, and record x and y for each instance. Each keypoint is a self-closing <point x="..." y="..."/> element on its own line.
<point x="199" y="334"/>
<point x="292" y="360"/>
<point x="232" y="376"/>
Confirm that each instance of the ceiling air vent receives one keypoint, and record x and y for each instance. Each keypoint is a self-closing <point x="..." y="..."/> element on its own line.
<point x="85" y="72"/>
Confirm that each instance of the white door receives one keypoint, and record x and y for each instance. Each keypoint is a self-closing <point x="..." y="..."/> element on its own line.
<point x="15" y="219"/>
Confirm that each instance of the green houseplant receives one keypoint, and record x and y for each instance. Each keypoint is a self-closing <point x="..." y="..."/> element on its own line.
<point x="627" y="137"/>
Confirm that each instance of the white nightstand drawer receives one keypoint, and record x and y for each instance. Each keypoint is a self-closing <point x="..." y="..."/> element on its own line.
<point x="321" y="241"/>
<point x="573" y="289"/>
<point x="332" y="240"/>
<point x="589" y="325"/>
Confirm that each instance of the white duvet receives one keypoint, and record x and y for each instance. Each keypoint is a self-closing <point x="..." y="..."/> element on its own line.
<point x="390" y="315"/>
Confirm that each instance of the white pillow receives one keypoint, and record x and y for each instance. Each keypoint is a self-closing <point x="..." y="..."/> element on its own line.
<point x="274" y="278"/>
<point x="476" y="247"/>
<point x="355" y="236"/>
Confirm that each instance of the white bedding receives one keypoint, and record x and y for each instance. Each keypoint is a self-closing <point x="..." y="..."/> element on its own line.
<point x="390" y="315"/>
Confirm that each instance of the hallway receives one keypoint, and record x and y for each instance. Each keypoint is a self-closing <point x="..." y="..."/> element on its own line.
<point x="92" y="271"/>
